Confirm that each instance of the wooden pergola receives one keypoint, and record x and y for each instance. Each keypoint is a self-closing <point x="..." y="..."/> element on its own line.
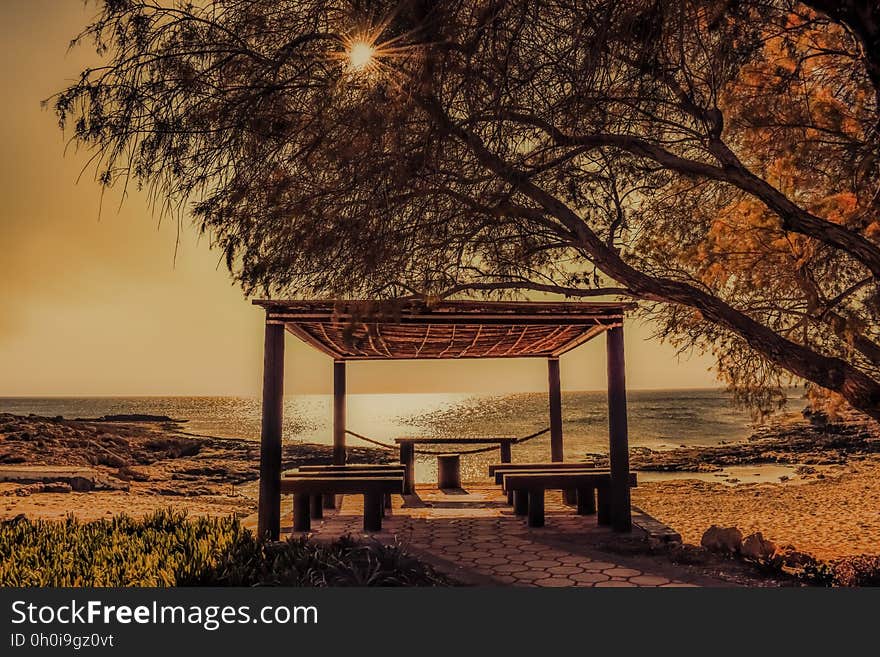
<point x="412" y="330"/>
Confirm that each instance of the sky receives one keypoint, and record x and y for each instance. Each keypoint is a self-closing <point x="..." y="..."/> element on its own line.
<point x="93" y="301"/>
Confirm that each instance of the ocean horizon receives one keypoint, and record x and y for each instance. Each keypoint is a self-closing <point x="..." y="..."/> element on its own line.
<point x="658" y="419"/>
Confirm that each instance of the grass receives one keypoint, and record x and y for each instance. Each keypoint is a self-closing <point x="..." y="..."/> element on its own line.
<point x="169" y="549"/>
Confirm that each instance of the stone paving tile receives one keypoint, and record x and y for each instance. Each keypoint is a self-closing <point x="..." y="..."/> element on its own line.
<point x="490" y="541"/>
<point x="554" y="582"/>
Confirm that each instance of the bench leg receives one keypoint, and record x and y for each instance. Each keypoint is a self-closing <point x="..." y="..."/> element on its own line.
<point x="316" y="502"/>
<point x="387" y="503"/>
<point x="302" y="519"/>
<point x="586" y="501"/>
<point x="604" y="505"/>
<point x="569" y="497"/>
<point x="536" y="508"/>
<point x="374" y="505"/>
<point x="510" y="497"/>
<point x="520" y="502"/>
<point x="329" y="501"/>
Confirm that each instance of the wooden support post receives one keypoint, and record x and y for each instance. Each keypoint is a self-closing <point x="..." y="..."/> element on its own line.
<point x="269" y="515"/>
<point x="408" y="458"/>
<point x="618" y="439"/>
<point x="329" y="501"/>
<point x="339" y="455"/>
<point x="556" y="451"/>
<point x="556" y="444"/>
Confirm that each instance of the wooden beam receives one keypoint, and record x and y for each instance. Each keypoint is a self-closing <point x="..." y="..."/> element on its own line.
<point x="618" y="439"/>
<point x="339" y="451"/>
<point x="556" y="446"/>
<point x="443" y="319"/>
<point x="269" y="516"/>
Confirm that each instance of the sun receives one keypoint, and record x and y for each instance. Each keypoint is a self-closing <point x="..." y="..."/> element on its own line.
<point x="360" y="55"/>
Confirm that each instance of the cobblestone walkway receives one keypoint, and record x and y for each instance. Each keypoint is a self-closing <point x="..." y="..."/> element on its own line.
<point x="473" y="536"/>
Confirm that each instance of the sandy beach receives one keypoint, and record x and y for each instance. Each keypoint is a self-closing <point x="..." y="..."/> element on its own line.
<point x="833" y="517"/>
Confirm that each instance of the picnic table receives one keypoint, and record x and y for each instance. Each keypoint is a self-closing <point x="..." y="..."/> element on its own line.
<point x="408" y="451"/>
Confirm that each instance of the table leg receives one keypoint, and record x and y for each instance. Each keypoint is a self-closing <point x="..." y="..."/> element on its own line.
<point x="505" y="453"/>
<point x="408" y="458"/>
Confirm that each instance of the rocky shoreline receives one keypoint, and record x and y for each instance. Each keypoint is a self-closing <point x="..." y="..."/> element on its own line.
<point x="797" y="441"/>
<point x="152" y="454"/>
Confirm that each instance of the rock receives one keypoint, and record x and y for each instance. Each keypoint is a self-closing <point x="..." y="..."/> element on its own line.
<point x="82" y="484"/>
<point x="57" y="487"/>
<point x="128" y="473"/>
<point x="755" y="546"/>
<point x="792" y="558"/>
<point x="722" y="539"/>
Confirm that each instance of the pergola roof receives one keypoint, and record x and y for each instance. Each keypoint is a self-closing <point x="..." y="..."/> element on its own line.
<point x="364" y="330"/>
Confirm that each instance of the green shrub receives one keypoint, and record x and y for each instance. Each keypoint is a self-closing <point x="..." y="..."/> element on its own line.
<point x="169" y="549"/>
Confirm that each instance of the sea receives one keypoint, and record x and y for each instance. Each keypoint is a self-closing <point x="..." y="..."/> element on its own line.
<point x="658" y="419"/>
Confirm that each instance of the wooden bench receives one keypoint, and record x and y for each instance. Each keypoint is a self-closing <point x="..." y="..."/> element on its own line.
<point x="584" y="499"/>
<point x="329" y="501"/>
<point x="318" y="504"/>
<point x="373" y="488"/>
<point x="552" y="466"/>
<point x="500" y="473"/>
<point x="549" y="465"/>
<point x="529" y="488"/>
<point x="351" y="467"/>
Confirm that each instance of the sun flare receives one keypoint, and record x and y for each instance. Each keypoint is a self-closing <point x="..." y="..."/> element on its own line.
<point x="360" y="55"/>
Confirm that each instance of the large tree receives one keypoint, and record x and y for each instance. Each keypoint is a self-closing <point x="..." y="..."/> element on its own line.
<point x="716" y="159"/>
